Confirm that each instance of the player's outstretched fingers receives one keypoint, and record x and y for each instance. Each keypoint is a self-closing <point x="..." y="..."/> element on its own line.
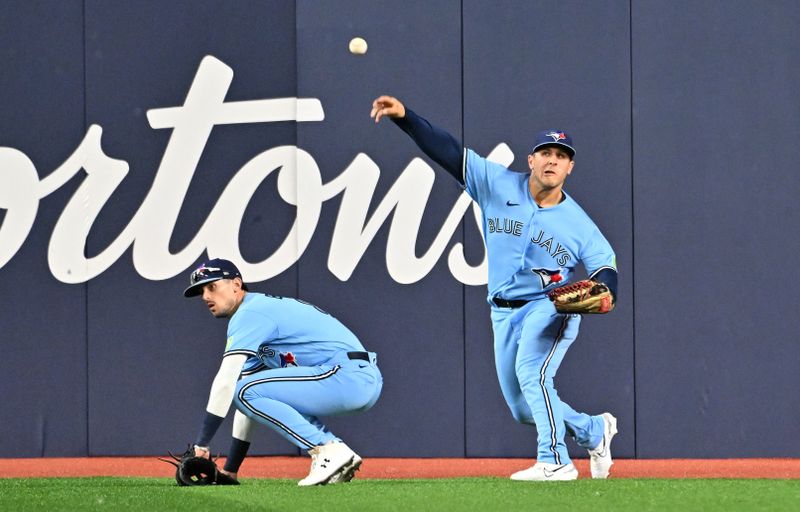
<point x="377" y="105"/>
<point x="387" y="106"/>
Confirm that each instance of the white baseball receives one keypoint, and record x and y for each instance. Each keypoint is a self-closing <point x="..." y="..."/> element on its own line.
<point x="358" y="46"/>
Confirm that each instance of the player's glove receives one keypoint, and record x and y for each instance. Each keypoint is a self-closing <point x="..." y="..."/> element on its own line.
<point x="581" y="297"/>
<point x="193" y="470"/>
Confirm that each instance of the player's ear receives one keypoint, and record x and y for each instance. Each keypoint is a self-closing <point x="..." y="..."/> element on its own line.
<point x="530" y="161"/>
<point x="571" y="165"/>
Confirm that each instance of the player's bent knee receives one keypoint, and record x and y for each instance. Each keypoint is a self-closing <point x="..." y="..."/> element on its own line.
<point x="521" y="413"/>
<point x="522" y="417"/>
<point x="237" y="402"/>
<point x="242" y="394"/>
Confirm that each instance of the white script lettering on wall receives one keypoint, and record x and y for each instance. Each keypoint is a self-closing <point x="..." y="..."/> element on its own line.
<point x="299" y="184"/>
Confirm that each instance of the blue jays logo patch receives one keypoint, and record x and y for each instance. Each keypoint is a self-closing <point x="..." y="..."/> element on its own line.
<point x="557" y="136"/>
<point x="202" y="272"/>
<point x="287" y="359"/>
<point x="548" y="277"/>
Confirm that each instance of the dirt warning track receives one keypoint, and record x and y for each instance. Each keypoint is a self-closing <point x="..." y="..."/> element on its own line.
<point x="297" y="467"/>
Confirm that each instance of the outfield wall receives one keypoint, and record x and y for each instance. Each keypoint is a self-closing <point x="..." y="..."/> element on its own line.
<point x="685" y="116"/>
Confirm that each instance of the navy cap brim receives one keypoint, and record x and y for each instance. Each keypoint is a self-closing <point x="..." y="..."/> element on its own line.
<point x="197" y="288"/>
<point x="569" y="148"/>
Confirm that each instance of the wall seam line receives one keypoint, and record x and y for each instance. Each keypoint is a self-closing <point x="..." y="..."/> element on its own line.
<point x="463" y="244"/>
<point x="86" y="285"/>
<point x="633" y="232"/>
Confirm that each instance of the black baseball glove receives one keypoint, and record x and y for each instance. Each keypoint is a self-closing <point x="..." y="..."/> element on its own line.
<point x="193" y="470"/>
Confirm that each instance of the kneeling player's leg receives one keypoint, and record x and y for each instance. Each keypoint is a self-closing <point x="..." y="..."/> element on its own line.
<point x="288" y="400"/>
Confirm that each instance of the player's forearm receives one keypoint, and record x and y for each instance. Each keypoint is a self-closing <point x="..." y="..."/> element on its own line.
<point x="219" y="402"/>
<point x="220" y="397"/>
<point x="607" y="276"/>
<point x="438" y="144"/>
<point x="211" y="423"/>
<point x="223" y="387"/>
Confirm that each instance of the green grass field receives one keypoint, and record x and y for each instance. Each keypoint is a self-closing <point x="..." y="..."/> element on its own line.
<point x="473" y="494"/>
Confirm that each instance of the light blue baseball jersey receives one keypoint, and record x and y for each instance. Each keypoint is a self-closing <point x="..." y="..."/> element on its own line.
<point x="276" y="332"/>
<point x="531" y="250"/>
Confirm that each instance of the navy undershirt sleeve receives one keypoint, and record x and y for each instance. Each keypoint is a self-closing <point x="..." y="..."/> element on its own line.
<point x="236" y="454"/>
<point x="608" y="277"/>
<point x="211" y="423"/>
<point x="440" y="146"/>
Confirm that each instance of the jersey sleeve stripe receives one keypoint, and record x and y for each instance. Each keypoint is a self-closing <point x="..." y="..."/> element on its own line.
<point x="239" y="351"/>
<point x="600" y="270"/>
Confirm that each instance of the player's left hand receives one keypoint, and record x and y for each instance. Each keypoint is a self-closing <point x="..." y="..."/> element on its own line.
<point x="582" y="297"/>
<point x="202" y="451"/>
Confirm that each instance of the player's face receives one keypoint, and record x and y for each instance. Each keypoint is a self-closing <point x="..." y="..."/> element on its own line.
<point x="550" y="166"/>
<point x="223" y="297"/>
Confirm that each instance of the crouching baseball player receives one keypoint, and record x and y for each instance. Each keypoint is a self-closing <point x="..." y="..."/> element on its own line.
<point x="286" y="363"/>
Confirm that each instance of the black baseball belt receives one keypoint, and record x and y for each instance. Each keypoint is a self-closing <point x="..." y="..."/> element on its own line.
<point x="358" y="355"/>
<point x="503" y="303"/>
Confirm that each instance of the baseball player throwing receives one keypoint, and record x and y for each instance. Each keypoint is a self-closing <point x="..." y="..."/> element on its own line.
<point x="535" y="236"/>
<point x="285" y="364"/>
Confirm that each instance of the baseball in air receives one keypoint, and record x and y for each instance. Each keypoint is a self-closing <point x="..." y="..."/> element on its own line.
<point x="358" y="46"/>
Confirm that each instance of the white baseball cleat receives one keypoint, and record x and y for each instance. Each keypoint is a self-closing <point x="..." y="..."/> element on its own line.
<point x="600" y="456"/>
<point x="331" y="463"/>
<point x="545" y="472"/>
<point x="347" y="472"/>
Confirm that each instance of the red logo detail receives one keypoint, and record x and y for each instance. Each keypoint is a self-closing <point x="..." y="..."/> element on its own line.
<point x="288" y="359"/>
<point x="555" y="278"/>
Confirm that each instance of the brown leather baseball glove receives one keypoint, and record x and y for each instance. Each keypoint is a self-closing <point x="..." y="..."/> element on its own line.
<point x="582" y="297"/>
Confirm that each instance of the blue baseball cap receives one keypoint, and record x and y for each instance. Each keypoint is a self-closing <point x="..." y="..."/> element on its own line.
<point x="208" y="272"/>
<point x="554" y="138"/>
